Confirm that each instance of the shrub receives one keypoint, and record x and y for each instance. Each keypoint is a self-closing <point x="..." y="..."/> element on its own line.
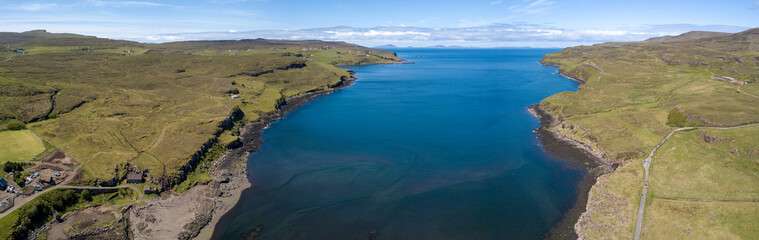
<point x="17" y="125"/>
<point x="20" y="178"/>
<point x="13" y="167"/>
<point x="676" y="118"/>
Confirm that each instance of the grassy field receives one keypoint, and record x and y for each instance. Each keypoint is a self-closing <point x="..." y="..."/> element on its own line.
<point x="704" y="186"/>
<point x="110" y="103"/>
<point x="18" y="146"/>
<point x="621" y="111"/>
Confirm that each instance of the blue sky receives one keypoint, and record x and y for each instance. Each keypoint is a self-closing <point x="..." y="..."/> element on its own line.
<point x="488" y="23"/>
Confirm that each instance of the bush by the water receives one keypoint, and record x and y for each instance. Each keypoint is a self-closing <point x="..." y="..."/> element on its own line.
<point x="676" y="118"/>
<point x="17" y="125"/>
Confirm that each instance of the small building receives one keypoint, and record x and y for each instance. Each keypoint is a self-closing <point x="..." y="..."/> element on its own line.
<point x="3" y="184"/>
<point x="148" y="190"/>
<point x="134" y="178"/>
<point x="235" y="96"/>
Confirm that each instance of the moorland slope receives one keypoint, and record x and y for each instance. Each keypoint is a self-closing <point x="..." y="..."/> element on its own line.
<point x="703" y="182"/>
<point x="120" y="106"/>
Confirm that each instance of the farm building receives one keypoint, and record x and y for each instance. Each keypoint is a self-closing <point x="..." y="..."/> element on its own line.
<point x="134" y="178"/>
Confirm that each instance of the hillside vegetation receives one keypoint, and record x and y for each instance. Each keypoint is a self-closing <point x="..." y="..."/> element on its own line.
<point x="633" y="95"/>
<point x="114" y="104"/>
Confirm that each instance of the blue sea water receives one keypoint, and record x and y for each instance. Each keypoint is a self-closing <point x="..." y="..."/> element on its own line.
<point x="439" y="149"/>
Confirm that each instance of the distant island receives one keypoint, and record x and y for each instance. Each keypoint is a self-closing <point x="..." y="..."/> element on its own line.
<point x="87" y="121"/>
<point x="673" y="122"/>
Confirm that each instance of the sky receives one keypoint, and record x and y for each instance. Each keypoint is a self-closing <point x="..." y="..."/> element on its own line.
<point x="484" y="23"/>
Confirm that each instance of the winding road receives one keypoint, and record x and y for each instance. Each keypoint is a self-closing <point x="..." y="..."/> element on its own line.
<point x="647" y="164"/>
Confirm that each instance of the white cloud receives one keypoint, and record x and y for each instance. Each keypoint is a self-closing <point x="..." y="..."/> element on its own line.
<point x="164" y="38"/>
<point x="489" y="35"/>
<point x="605" y="32"/>
<point x="534" y="7"/>
<point x="495" y="35"/>
<point x="496" y="2"/>
<point x="101" y="3"/>
<point x="375" y="33"/>
<point x="34" y="7"/>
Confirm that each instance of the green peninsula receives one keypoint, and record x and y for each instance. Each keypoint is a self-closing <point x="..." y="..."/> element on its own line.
<point x="703" y="181"/>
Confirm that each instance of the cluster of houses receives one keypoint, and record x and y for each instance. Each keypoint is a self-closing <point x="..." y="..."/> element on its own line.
<point x="20" y="51"/>
<point x="731" y="80"/>
<point x="41" y="180"/>
<point x="314" y="48"/>
<point x="36" y="180"/>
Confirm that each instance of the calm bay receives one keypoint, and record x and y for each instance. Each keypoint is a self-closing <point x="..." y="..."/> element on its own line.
<point x="439" y="149"/>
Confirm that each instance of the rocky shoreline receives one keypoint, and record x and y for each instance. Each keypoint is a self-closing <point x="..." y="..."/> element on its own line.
<point x="194" y="214"/>
<point x="582" y="156"/>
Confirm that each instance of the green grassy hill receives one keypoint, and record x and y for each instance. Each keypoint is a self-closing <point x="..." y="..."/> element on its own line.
<point x="622" y="112"/>
<point x="109" y="103"/>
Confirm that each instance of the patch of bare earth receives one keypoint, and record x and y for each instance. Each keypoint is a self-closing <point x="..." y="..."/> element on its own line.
<point x="101" y="222"/>
<point x="194" y="213"/>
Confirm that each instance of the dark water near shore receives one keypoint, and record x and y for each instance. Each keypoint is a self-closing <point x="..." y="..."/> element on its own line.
<point x="440" y="149"/>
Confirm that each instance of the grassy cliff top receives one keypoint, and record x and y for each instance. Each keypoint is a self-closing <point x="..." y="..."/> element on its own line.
<point x="111" y="102"/>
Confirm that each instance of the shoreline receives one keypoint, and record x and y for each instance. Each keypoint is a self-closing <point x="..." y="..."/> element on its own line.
<point x="195" y="213"/>
<point x="575" y="151"/>
<point x="581" y="156"/>
<point x="250" y="136"/>
<point x="562" y="73"/>
<point x="369" y="64"/>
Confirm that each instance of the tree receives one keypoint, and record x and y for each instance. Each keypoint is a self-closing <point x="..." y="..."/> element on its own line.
<point x="13" y="167"/>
